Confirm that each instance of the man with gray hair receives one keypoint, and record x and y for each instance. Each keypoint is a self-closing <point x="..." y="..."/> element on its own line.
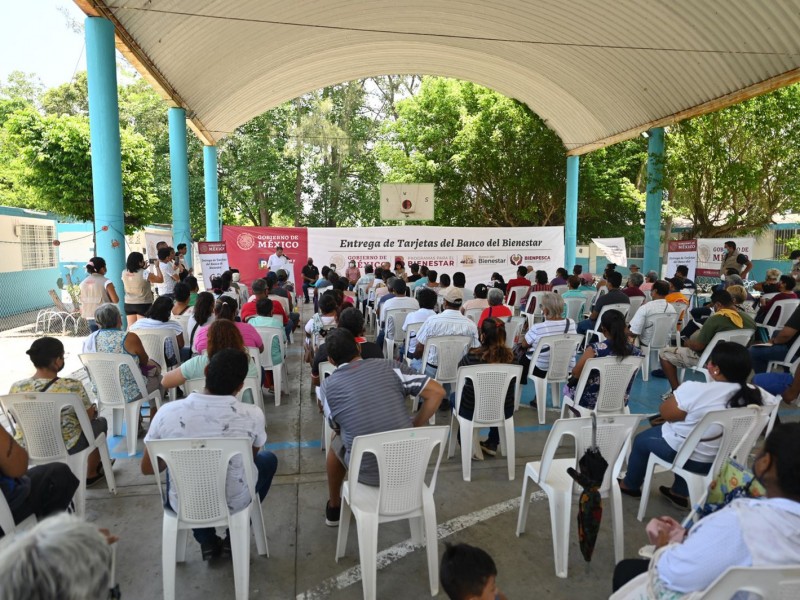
<point x="62" y="557"/>
<point x="635" y="280"/>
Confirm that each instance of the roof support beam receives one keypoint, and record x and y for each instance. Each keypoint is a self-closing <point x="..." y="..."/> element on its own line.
<point x="179" y="180"/>
<point x="655" y="189"/>
<point x="571" y="214"/>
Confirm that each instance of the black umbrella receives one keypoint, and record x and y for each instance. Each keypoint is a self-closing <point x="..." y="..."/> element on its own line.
<point x="592" y="467"/>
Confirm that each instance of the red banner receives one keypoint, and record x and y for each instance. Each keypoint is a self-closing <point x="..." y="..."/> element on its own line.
<point x="249" y="249"/>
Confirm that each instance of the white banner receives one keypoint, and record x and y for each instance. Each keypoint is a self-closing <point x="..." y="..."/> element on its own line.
<point x="152" y="237"/>
<point x="213" y="260"/>
<point x="710" y="253"/>
<point x="682" y="252"/>
<point x="613" y="249"/>
<point x="476" y="251"/>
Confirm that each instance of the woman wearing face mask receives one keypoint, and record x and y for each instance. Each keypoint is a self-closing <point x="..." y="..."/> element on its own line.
<point x="352" y="274"/>
<point x="748" y="532"/>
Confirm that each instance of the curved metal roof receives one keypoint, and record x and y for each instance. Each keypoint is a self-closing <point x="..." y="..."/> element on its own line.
<point x="596" y="71"/>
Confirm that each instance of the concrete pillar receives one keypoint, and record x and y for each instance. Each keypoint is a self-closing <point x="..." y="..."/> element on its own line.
<point x="109" y="215"/>
<point x="179" y="179"/>
<point x="571" y="215"/>
<point x="212" y="193"/>
<point x="655" y="184"/>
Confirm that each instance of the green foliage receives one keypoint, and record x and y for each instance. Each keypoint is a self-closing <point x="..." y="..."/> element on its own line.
<point x="731" y="171"/>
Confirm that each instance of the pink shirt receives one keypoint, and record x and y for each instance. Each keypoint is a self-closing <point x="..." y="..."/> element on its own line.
<point x="251" y="337"/>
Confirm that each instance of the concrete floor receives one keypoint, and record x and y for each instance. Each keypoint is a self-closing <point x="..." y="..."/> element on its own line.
<point x="301" y="562"/>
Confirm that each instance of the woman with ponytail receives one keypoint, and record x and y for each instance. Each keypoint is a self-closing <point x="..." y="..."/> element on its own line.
<point x="96" y="289"/>
<point x="493" y="350"/>
<point x="612" y="326"/>
<point x="729" y="367"/>
<point x="226" y="307"/>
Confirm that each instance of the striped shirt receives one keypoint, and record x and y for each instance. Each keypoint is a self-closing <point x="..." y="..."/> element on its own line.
<point x="543" y="329"/>
<point x="449" y="322"/>
<point x="354" y="407"/>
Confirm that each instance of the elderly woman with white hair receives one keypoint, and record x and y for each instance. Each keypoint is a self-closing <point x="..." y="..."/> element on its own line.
<point x="649" y="280"/>
<point x="62" y="557"/>
<point x="113" y="339"/>
<point x="496" y="307"/>
<point x="554" y="324"/>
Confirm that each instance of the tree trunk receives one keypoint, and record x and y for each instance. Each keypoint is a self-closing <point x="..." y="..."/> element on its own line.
<point x="264" y="216"/>
<point x="298" y="190"/>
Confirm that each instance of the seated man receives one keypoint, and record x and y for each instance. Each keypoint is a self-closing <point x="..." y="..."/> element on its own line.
<point x="217" y="413"/>
<point x="399" y="300"/>
<point x="777" y="348"/>
<point x="520" y="280"/>
<point x="682" y="273"/>
<point x="613" y="296"/>
<point x="427" y="299"/>
<point x="349" y="403"/>
<point x="352" y="320"/>
<point x="641" y="325"/>
<point x="635" y="281"/>
<point x="786" y="285"/>
<point x="725" y="318"/>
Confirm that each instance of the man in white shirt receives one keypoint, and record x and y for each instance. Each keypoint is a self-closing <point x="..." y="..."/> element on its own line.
<point x="217" y="413"/>
<point x="166" y="258"/>
<point x="278" y="260"/>
<point x="449" y="322"/>
<point x="427" y="299"/>
<point x="640" y="324"/>
<point x="400" y="300"/>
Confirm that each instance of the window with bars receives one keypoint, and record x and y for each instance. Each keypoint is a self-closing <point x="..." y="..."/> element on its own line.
<point x="782" y="236"/>
<point x="635" y="251"/>
<point x="38" y="251"/>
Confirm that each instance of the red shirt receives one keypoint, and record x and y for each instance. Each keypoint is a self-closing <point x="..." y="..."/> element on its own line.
<point x="249" y="310"/>
<point x="630" y="292"/>
<point x="516" y="282"/>
<point x="494" y="311"/>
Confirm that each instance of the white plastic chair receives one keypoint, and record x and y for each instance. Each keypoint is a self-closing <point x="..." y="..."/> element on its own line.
<point x="574" y="308"/>
<point x="280" y="371"/>
<point x="513" y="329"/>
<point x="789" y="361"/>
<point x="786" y="308"/>
<point x="184" y="321"/>
<point x="402" y="458"/>
<point x="38" y="416"/>
<point x="738" y="336"/>
<point x="325" y="370"/>
<point x="411" y="330"/>
<point x="636" y="304"/>
<point x="768" y="413"/>
<point x="560" y="289"/>
<point x="474" y="314"/>
<point x="663" y="326"/>
<point x="490" y="383"/>
<point x="615" y="376"/>
<point x="104" y="370"/>
<point x="449" y="351"/>
<point x="736" y="424"/>
<point x="7" y="519"/>
<point x="198" y="468"/>
<point x="589" y="296"/>
<point x="154" y="341"/>
<point x="782" y="582"/>
<point x="517" y="294"/>
<point x="562" y="349"/>
<point x="614" y="433"/>
<point x="395" y="318"/>
<point x="535" y="302"/>
<point x="619" y="306"/>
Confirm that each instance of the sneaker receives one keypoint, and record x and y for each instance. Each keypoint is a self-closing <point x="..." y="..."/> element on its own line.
<point x="489" y="448"/>
<point x="332" y="515"/>
<point x="211" y="549"/>
<point x="677" y="501"/>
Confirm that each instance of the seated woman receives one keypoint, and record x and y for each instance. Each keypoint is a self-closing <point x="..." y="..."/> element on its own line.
<point x="748" y="532"/>
<point x="112" y="339"/>
<point x="326" y="317"/>
<point x="496" y="307"/>
<point x="182" y="295"/>
<point x="225" y="308"/>
<point x="540" y="282"/>
<point x="493" y="350"/>
<point x="554" y="324"/>
<point x="222" y="334"/>
<point x="264" y="318"/>
<point x="203" y="314"/>
<point x="479" y="300"/>
<point x="47" y="356"/>
<point x="729" y="367"/>
<point x="194" y="289"/>
<point x="159" y="317"/>
<point x="612" y="326"/>
<point x="786" y="285"/>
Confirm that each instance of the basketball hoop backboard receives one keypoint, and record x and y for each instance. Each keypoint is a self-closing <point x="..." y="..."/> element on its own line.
<point x="407" y="201"/>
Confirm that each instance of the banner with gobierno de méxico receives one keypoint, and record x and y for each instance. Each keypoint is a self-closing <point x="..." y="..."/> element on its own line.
<point x="711" y="253"/>
<point x="476" y="251"/>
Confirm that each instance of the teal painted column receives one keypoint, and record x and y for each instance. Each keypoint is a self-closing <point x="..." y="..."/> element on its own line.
<point x="655" y="184"/>
<point x="179" y="179"/>
<point x="212" y="193"/>
<point x="109" y="215"/>
<point x="571" y="215"/>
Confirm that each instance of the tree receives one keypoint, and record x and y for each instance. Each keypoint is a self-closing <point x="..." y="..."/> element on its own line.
<point x="50" y="160"/>
<point x="731" y="171"/>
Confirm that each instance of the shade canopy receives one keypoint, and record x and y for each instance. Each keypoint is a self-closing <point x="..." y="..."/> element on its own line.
<point x="597" y="72"/>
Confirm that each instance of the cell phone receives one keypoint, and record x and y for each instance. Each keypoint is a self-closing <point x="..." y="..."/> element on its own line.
<point x="152" y="261"/>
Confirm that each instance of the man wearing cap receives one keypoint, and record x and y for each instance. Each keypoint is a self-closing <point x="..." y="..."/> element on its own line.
<point x="448" y="322"/>
<point x="278" y="260"/>
<point x="399" y="299"/>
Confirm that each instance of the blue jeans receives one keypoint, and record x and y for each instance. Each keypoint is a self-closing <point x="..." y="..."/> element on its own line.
<point x="583" y="326"/>
<point x="761" y="355"/>
<point x="266" y="465"/>
<point x="649" y="441"/>
<point x="305" y="291"/>
<point x="774" y="383"/>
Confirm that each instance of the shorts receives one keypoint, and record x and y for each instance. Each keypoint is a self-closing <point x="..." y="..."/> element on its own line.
<point x="137" y="309"/>
<point x="99" y="425"/>
<point x="337" y="447"/>
<point x="681" y="357"/>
